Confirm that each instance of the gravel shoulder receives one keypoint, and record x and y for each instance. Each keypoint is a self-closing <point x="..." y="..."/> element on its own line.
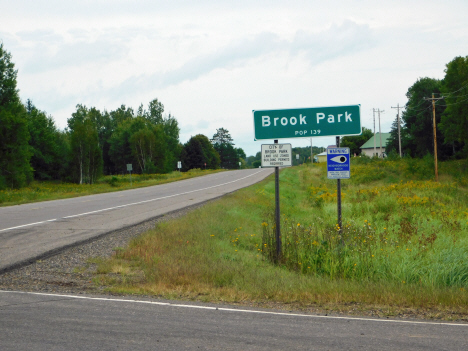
<point x="69" y="271"/>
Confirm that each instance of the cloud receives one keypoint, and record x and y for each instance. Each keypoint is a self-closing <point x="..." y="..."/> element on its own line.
<point x="335" y="42"/>
<point x="53" y="51"/>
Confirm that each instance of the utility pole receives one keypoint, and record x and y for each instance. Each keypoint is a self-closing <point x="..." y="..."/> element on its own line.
<point x="380" y="135"/>
<point x="380" y="132"/>
<point x="375" y="148"/>
<point x="398" y="121"/>
<point x="433" y="99"/>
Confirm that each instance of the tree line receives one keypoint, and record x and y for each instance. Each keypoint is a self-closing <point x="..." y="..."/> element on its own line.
<point x="96" y="143"/>
<point x="416" y="123"/>
<point x="451" y="114"/>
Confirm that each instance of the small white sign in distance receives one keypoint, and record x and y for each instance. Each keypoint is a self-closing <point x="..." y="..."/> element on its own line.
<point x="276" y="155"/>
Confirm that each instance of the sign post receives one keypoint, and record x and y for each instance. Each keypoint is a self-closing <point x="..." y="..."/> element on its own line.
<point x="338" y="167"/>
<point x="130" y="169"/>
<point x="179" y="165"/>
<point x="276" y="155"/>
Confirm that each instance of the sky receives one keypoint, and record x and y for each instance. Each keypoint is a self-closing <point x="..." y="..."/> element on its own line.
<point x="211" y="62"/>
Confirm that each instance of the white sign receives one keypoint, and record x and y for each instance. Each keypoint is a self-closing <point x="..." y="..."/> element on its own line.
<point x="276" y="155"/>
<point x="179" y="164"/>
<point x="129" y="167"/>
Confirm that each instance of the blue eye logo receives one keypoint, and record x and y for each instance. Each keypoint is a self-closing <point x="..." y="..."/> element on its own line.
<point x="339" y="159"/>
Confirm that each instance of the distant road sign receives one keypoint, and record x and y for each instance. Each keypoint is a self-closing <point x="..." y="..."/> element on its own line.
<point x="129" y="167"/>
<point x="276" y="155"/>
<point x="307" y="122"/>
<point x="338" y="163"/>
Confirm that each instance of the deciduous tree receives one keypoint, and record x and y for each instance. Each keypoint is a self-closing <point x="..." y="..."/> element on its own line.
<point x="454" y="121"/>
<point x="15" y="152"/>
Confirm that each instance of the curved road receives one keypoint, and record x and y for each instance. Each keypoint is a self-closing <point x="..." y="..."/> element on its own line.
<point x="32" y="231"/>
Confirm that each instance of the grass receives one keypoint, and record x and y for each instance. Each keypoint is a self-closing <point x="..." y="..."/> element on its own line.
<point x="49" y="190"/>
<point x="402" y="250"/>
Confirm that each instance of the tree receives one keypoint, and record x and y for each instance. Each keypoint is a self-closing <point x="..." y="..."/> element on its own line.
<point x="15" y="152"/>
<point x="417" y="133"/>
<point x="149" y="148"/>
<point x="241" y="153"/>
<point x="47" y="144"/>
<point x="171" y="133"/>
<point x="223" y="144"/>
<point x="354" y="142"/>
<point x="155" y="112"/>
<point x="221" y="137"/>
<point x="454" y="121"/>
<point x="85" y="153"/>
<point x="120" y="151"/>
<point x="199" y="151"/>
<point x="228" y="156"/>
<point x="393" y="142"/>
<point x="120" y="115"/>
<point x="154" y="116"/>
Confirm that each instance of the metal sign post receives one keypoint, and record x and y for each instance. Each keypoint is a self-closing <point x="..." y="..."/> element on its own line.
<point x="179" y="165"/>
<point x="277" y="214"/>
<point x="276" y="155"/>
<point x="338" y="167"/>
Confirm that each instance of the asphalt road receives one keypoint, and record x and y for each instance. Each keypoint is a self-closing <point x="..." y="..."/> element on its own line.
<point x="31" y="321"/>
<point x="32" y="231"/>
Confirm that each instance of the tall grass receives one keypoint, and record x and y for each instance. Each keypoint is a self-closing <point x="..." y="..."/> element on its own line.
<point x="403" y="244"/>
<point x="412" y="231"/>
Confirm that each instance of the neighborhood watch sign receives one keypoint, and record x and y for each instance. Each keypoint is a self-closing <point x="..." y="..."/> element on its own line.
<point x="307" y="122"/>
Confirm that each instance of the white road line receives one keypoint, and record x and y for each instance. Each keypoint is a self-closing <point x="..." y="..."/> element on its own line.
<point x="27" y="225"/>
<point x="234" y="309"/>
<point x="126" y="205"/>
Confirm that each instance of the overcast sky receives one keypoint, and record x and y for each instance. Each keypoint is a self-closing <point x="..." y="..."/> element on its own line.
<point x="211" y="62"/>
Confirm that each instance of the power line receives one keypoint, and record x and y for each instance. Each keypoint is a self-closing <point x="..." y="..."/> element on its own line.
<point x="455" y="103"/>
<point x="453" y="92"/>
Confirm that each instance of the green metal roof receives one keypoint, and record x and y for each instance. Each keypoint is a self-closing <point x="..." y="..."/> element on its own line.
<point x="369" y="144"/>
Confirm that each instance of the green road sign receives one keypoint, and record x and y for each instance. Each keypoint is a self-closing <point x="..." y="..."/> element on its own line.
<point x="307" y="122"/>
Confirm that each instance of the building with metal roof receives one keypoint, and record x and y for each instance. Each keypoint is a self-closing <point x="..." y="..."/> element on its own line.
<point x="368" y="147"/>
